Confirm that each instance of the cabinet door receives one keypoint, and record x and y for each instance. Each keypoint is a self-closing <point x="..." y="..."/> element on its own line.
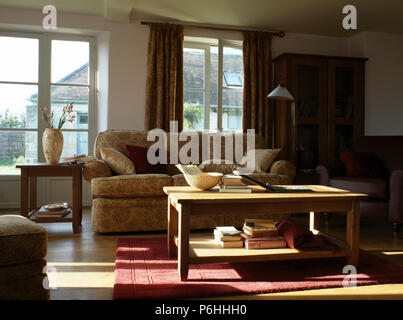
<point x="310" y="92"/>
<point x="346" y="105"/>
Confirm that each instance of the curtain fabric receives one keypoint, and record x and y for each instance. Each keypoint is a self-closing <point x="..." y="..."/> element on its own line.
<point x="257" y="110"/>
<point x="164" y="86"/>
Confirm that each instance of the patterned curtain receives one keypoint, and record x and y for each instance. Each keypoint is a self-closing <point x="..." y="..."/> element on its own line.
<point x="257" y="110"/>
<point x="164" y="87"/>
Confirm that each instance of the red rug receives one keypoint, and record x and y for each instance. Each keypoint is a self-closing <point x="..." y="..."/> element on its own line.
<point x="143" y="270"/>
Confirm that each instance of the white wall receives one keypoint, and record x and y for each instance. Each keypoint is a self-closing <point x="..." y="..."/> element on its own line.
<point x="383" y="81"/>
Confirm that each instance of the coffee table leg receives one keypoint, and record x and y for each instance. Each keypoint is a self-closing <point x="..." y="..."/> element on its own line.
<point x="183" y="243"/>
<point x="172" y="228"/>
<point x="313" y="221"/>
<point x="353" y="233"/>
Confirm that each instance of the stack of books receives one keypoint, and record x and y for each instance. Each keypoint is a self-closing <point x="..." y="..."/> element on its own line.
<point x="261" y="234"/>
<point x="56" y="210"/>
<point x="233" y="183"/>
<point x="228" y="237"/>
<point x="76" y="159"/>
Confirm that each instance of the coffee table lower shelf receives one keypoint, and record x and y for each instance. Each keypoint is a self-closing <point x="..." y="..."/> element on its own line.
<point x="206" y="250"/>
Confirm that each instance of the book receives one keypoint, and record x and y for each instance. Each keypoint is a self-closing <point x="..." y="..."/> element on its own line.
<point x="272" y="242"/>
<point x="219" y="236"/>
<point x="77" y="159"/>
<point x="232" y="180"/>
<point x="228" y="230"/>
<point x="267" y="244"/>
<point x="231" y="244"/>
<point x="260" y="222"/>
<point x="262" y="233"/>
<point x="52" y="213"/>
<point x="236" y="190"/>
<point x="248" y="237"/>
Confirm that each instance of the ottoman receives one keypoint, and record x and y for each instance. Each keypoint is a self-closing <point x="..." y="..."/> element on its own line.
<point x="23" y="246"/>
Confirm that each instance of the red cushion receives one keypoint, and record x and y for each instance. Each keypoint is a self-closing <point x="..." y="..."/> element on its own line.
<point x="138" y="155"/>
<point x="364" y="165"/>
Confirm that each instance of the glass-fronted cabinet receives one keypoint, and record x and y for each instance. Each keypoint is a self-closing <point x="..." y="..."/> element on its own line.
<point x="346" y="104"/>
<point x="327" y="115"/>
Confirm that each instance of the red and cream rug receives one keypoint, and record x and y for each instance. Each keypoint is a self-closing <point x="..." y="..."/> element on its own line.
<point x="143" y="270"/>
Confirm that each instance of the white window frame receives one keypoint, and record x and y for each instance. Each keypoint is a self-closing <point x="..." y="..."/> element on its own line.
<point x="44" y="86"/>
<point x="207" y="68"/>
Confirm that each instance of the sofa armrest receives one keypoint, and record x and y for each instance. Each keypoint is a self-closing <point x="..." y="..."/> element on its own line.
<point x="396" y="196"/>
<point x="325" y="172"/>
<point x="96" y="169"/>
<point x="283" y="167"/>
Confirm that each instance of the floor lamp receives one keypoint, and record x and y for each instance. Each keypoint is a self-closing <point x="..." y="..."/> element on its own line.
<point x="281" y="93"/>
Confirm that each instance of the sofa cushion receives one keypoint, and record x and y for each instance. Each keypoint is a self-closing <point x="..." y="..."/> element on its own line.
<point x="220" y="166"/>
<point x="117" y="161"/>
<point x="179" y="180"/>
<point x="374" y="188"/>
<point x="365" y="165"/>
<point x="137" y="185"/>
<point x="138" y="155"/>
<point x="21" y="240"/>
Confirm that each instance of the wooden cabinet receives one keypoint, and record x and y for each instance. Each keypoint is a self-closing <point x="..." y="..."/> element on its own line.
<point x="328" y="112"/>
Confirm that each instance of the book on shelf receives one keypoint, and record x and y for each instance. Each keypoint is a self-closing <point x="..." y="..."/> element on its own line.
<point x="263" y="242"/>
<point x="219" y="236"/>
<point x="231" y="244"/>
<point x="42" y="212"/>
<point x="228" y="236"/>
<point x="260" y="231"/>
<point x="260" y="222"/>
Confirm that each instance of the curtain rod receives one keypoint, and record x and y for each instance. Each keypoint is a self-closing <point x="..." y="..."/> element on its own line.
<point x="280" y="34"/>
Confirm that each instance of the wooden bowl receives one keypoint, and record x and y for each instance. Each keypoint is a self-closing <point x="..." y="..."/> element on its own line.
<point x="203" y="181"/>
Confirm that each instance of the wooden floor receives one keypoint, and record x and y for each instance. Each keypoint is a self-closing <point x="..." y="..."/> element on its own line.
<point x="82" y="264"/>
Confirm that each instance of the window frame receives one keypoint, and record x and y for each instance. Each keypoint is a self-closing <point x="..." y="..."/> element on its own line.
<point x="44" y="85"/>
<point x="220" y="44"/>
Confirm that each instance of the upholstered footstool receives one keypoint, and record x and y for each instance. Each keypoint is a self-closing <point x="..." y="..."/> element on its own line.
<point x="23" y="246"/>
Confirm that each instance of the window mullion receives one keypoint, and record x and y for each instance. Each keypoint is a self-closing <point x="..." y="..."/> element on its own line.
<point x="207" y="71"/>
<point x="220" y="85"/>
<point x="43" y="88"/>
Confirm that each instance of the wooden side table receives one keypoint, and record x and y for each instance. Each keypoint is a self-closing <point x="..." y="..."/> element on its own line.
<point x="29" y="173"/>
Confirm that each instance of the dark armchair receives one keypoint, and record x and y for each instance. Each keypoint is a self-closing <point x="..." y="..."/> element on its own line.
<point x="385" y="195"/>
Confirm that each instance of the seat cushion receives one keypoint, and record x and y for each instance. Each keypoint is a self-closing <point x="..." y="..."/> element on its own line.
<point x="374" y="188"/>
<point x="179" y="180"/>
<point x="21" y="240"/>
<point x="126" y="186"/>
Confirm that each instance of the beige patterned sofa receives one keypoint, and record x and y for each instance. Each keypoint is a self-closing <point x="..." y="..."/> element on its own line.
<point x="130" y="203"/>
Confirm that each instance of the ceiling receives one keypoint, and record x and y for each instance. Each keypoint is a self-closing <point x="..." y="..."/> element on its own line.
<point x="300" y="16"/>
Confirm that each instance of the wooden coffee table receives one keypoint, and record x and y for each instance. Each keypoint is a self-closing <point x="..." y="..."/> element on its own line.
<point x="186" y="202"/>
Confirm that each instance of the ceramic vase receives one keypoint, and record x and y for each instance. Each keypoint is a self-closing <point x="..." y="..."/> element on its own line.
<point x="52" y="142"/>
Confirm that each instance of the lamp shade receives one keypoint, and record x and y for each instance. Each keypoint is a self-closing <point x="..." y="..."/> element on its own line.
<point x="280" y="93"/>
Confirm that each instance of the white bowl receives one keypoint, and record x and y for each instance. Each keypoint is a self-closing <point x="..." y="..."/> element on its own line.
<point x="203" y="181"/>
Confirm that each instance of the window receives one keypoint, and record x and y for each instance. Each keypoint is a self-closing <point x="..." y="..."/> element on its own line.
<point x="49" y="71"/>
<point x="213" y="84"/>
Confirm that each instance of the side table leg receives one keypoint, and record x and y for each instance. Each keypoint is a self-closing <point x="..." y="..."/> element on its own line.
<point x="24" y="192"/>
<point x="183" y="248"/>
<point x="32" y="193"/>
<point x="353" y="233"/>
<point x="76" y="202"/>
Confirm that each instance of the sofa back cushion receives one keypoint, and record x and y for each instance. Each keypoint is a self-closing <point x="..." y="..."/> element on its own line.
<point x="118" y="139"/>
